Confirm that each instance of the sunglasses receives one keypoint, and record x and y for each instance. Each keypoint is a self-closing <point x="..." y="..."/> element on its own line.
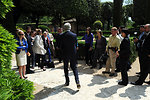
<point x="21" y="34"/>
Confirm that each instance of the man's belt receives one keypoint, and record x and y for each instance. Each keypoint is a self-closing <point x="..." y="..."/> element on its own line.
<point x="113" y="48"/>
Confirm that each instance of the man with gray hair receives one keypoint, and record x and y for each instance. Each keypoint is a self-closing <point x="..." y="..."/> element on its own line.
<point x="68" y="46"/>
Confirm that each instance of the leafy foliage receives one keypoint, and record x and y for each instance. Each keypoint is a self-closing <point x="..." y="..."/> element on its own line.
<point x="5" y="7"/>
<point x="7" y="46"/>
<point x="14" y="88"/>
<point x="11" y="86"/>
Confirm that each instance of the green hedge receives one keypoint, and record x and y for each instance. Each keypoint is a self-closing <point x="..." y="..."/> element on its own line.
<point x="44" y="27"/>
<point x="11" y="86"/>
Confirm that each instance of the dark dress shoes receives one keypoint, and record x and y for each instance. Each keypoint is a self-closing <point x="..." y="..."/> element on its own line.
<point x="117" y="70"/>
<point x="105" y="72"/>
<point x="135" y="83"/>
<point x="66" y="84"/>
<point x="138" y="73"/>
<point x="29" y="72"/>
<point x="92" y="67"/>
<point x="122" y="83"/>
<point x="147" y="82"/>
<point x="113" y="74"/>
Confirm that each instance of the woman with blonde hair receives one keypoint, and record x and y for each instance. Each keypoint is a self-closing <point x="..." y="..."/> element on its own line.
<point x="21" y="53"/>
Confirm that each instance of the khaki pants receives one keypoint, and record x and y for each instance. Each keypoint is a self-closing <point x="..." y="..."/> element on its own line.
<point x="111" y="61"/>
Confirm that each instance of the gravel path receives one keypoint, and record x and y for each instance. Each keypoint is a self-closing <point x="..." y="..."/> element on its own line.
<point x="94" y="85"/>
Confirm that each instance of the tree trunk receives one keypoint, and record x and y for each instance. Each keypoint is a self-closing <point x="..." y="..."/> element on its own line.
<point x="117" y="12"/>
<point x="37" y="21"/>
<point x="108" y="25"/>
<point x="77" y="23"/>
<point x="147" y="14"/>
<point x="60" y="20"/>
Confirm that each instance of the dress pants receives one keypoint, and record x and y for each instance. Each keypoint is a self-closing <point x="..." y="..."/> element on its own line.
<point x="88" y="54"/>
<point x="28" y="64"/>
<point x="33" y="59"/>
<point x="59" y="54"/>
<point x="124" y="67"/>
<point x="145" y="66"/>
<point x="73" y="66"/>
<point x="111" y="61"/>
<point x="40" y="62"/>
<point x="97" y="54"/>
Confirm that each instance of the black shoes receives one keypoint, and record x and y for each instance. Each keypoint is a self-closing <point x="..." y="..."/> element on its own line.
<point x="105" y="72"/>
<point x="117" y="70"/>
<point x="66" y="84"/>
<point x="138" y="73"/>
<point x="135" y="83"/>
<point x="113" y="74"/>
<point x="121" y="83"/>
<point x="92" y="67"/>
<point x="147" y="82"/>
<point x="29" y="72"/>
<point x="78" y="86"/>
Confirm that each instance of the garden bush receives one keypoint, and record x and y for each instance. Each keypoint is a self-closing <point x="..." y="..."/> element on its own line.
<point x="44" y="27"/>
<point x="98" y="24"/>
<point x="11" y="86"/>
<point x="7" y="46"/>
<point x="14" y="88"/>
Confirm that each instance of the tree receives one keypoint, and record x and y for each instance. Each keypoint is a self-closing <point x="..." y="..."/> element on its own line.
<point x="127" y="12"/>
<point x="117" y="12"/>
<point x="141" y="13"/>
<point x="106" y="13"/>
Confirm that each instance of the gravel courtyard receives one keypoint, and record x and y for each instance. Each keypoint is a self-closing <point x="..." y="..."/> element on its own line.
<point x="94" y="85"/>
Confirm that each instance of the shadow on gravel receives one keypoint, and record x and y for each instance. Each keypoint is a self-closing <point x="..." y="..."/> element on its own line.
<point x="135" y="92"/>
<point x="133" y="78"/>
<point x="98" y="79"/>
<point x="108" y="92"/>
<point x="46" y="92"/>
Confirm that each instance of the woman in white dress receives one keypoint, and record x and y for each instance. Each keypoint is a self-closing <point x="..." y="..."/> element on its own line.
<point x="21" y="53"/>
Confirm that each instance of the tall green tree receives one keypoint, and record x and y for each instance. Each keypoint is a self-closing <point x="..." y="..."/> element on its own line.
<point x="117" y="12"/>
<point x="106" y="13"/>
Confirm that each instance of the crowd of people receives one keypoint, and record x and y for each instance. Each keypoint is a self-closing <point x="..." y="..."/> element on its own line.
<point x="36" y="46"/>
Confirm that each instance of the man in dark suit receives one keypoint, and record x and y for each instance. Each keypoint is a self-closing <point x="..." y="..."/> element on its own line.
<point x="124" y="55"/>
<point x="145" y="49"/>
<point x="29" y="40"/>
<point x="138" y="43"/>
<point x="68" y="46"/>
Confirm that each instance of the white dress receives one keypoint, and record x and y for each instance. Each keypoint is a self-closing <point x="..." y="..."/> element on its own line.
<point x="21" y="58"/>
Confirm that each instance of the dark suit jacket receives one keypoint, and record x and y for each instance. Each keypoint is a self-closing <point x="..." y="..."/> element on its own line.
<point x="46" y="43"/>
<point x="58" y="40"/>
<point x="29" y="40"/>
<point x="68" y="44"/>
<point x="146" y="46"/>
<point x="125" y="52"/>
